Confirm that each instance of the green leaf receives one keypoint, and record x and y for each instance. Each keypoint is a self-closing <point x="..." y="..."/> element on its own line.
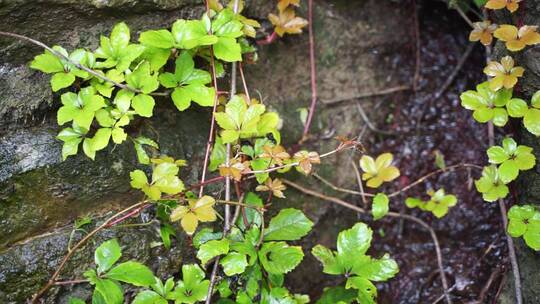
<point x="288" y="225"/>
<point x="354" y="241"/>
<point x="500" y="117"/>
<point x="518" y="217"/>
<point x="471" y="100"/>
<point x="380" y="206"/>
<point x="138" y="179"/>
<point x="143" y="105"/>
<point x="141" y="79"/>
<point x="378" y="270"/>
<point x="330" y="264"/>
<point x="191" y="33"/>
<point x="101" y="139"/>
<point x="516" y="107"/>
<point x="219" y="153"/>
<point x="204" y="235"/>
<point x="212" y="249"/>
<point x="149" y="297"/>
<point x="508" y="171"/>
<point x="497" y="155"/>
<point x="532" y="235"/>
<point x="109" y="291"/>
<point x="47" y="63"/>
<point x="61" y="80"/>
<point x="524" y="158"/>
<point x="234" y="263"/>
<point x="133" y="273"/>
<point x="535" y="100"/>
<point x="336" y="295"/>
<point x="107" y="254"/>
<point x="531" y="120"/>
<point x="192" y="287"/>
<point x="120" y="36"/>
<point x="227" y="49"/>
<point x="367" y="292"/>
<point x="165" y="232"/>
<point x="184" y="66"/>
<point x="70" y="147"/>
<point x="181" y="98"/>
<point x="159" y="39"/>
<point x="75" y="301"/>
<point x="279" y="257"/>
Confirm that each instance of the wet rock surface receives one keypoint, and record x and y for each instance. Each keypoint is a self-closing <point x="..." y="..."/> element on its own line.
<point x="362" y="47"/>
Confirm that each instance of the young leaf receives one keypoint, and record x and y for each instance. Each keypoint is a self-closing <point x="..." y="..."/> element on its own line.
<point x="378" y="171"/>
<point x="198" y="210"/>
<point x="107" y="254"/>
<point x="380" y="206"/>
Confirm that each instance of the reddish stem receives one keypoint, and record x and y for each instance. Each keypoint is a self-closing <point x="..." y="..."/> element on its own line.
<point x="313" y="71"/>
<point x="268" y="40"/>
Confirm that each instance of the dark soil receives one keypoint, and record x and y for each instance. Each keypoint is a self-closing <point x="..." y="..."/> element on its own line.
<point x="471" y="234"/>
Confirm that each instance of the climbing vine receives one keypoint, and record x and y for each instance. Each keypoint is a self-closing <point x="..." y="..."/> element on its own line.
<point x="105" y="90"/>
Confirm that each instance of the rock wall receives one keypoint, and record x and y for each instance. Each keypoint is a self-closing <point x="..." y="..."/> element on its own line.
<point x="528" y="185"/>
<point x="41" y="196"/>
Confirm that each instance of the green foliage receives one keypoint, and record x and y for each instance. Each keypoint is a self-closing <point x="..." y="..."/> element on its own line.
<point x="164" y="180"/>
<point x="486" y="104"/>
<point x="524" y="221"/>
<point x="193" y="287"/>
<point x="189" y="84"/>
<point x="511" y="159"/>
<point x="380" y="206"/>
<point x="531" y="115"/>
<point x="351" y="260"/>
<point x="242" y="121"/>
<point x="438" y="204"/>
<point x="491" y="185"/>
<point x="107" y="278"/>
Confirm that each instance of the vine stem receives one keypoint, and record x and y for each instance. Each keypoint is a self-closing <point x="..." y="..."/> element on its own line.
<point x="227" y="223"/>
<point x="509" y="240"/>
<point x="390" y="214"/>
<point x="313" y="71"/>
<point x="213" y="120"/>
<point x="70" y="253"/>
<point x="77" y="64"/>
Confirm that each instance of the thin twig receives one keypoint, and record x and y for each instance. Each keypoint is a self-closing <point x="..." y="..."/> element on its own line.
<point x="77" y="64"/>
<point x="329" y="184"/>
<point x="369" y="123"/>
<point x="423" y="178"/>
<point x="213" y="120"/>
<point x="227" y="219"/>
<point x="313" y="71"/>
<point x="70" y="282"/>
<point x="464" y="16"/>
<point x="62" y="264"/>
<point x="404" y="189"/>
<point x="367" y="95"/>
<point x="509" y="240"/>
<point x="246" y="91"/>
<point x="416" y="78"/>
<point x="390" y="214"/>
<point x="360" y="184"/>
